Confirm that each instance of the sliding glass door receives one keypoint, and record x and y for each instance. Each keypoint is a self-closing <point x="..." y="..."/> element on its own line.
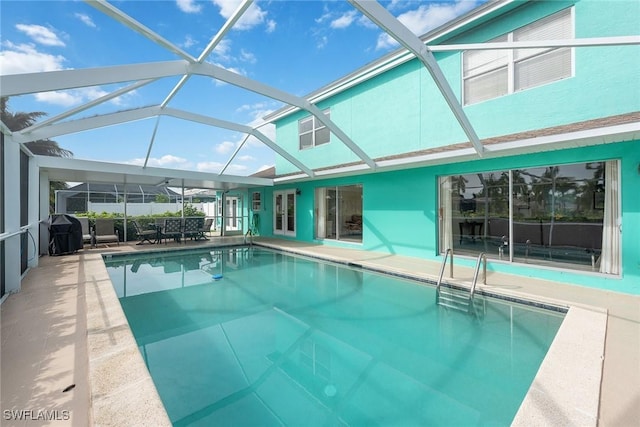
<point x="559" y="215"/>
<point x="338" y="213"/>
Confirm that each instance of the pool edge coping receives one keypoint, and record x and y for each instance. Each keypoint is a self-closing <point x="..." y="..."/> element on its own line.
<point x="122" y="391"/>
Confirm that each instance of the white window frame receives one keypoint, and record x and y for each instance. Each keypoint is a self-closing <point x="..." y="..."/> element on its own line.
<point x="256" y="202"/>
<point x="316" y="127"/>
<point x="512" y="61"/>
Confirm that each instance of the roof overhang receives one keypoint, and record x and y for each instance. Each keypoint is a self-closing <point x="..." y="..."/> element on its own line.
<point x="544" y="143"/>
<point x="76" y="170"/>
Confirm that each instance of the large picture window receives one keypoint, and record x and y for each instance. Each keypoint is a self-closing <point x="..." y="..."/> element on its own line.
<point x="338" y="213"/>
<point x="489" y="73"/>
<point x="559" y="215"/>
<point x="312" y="132"/>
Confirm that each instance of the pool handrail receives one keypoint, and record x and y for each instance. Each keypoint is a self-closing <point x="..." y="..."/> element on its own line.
<point x="444" y="264"/>
<point x="481" y="257"/>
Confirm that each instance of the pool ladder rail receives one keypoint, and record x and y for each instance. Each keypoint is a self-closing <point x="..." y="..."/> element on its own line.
<point x="459" y="299"/>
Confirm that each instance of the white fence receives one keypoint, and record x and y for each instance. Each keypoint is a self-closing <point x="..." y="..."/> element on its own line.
<point x="137" y="209"/>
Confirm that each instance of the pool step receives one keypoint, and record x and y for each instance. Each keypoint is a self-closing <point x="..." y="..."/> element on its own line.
<point x="452" y="298"/>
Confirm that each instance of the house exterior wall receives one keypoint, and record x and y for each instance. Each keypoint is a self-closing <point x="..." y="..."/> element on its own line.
<point x="402" y="110"/>
<point x="400" y="214"/>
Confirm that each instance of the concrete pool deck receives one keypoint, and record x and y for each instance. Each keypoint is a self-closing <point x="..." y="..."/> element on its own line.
<point x="66" y="327"/>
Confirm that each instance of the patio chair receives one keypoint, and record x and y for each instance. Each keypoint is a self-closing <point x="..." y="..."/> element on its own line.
<point x="172" y="229"/>
<point x="86" y="230"/>
<point x="145" y="235"/>
<point x="104" y="231"/>
<point x="206" y="228"/>
<point x="192" y="227"/>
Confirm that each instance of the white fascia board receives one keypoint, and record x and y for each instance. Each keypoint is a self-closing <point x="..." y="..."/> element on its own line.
<point x="599" y="136"/>
<point x="392" y="26"/>
<point x="541" y="44"/>
<point x="21" y="84"/>
<point x="89" y="123"/>
<point x="136" y="26"/>
<point x="605" y="135"/>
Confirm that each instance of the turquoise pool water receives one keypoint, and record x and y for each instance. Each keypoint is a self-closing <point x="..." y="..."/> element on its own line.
<point x="286" y="340"/>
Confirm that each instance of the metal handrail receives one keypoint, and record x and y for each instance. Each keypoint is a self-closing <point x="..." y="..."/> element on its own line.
<point x="481" y="257"/>
<point x="444" y="264"/>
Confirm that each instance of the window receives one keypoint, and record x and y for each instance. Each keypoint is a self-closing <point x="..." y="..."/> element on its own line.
<point x="312" y="132"/>
<point x="338" y="213"/>
<point x="557" y="215"/>
<point x="489" y="74"/>
<point x="256" y="201"/>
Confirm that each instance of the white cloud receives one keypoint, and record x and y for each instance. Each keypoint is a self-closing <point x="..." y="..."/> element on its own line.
<point x="85" y="19"/>
<point x="345" y="20"/>
<point x="271" y="26"/>
<point x="247" y="57"/>
<point x="188" y="41"/>
<point x="79" y="96"/>
<point x="225" y="147"/>
<point x="189" y="6"/>
<point x="251" y="18"/>
<point x="246" y="158"/>
<point x="217" y="167"/>
<point x="209" y="166"/>
<point x="427" y="17"/>
<point x="25" y="58"/>
<point x="40" y="34"/>
<point x="166" y="161"/>
<point x="322" y="42"/>
<point x="223" y="49"/>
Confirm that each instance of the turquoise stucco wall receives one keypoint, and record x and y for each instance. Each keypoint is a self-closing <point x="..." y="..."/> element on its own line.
<point x="400" y="214"/>
<point x="402" y="110"/>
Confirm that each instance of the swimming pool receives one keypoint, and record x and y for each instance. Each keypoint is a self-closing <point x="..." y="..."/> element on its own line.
<point x="282" y="339"/>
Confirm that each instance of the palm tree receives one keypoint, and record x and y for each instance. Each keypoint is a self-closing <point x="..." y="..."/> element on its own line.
<point x="44" y="147"/>
<point x="21" y="120"/>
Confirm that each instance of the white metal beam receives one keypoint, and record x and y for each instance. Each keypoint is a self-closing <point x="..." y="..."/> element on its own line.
<point x="540" y="44"/>
<point x="117" y="172"/>
<point x="86" y="106"/>
<point x="238" y="128"/>
<point x="235" y="153"/>
<point x="153" y="138"/>
<point x="128" y="21"/>
<point x="237" y="14"/>
<point x="273" y="93"/>
<point x="21" y="84"/>
<point x="80" y="125"/>
<point x="381" y="17"/>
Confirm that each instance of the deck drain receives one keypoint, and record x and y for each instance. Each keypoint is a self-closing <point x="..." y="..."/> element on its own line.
<point x="69" y="388"/>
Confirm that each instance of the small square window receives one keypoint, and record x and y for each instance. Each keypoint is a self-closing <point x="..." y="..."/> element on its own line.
<point x="313" y="132"/>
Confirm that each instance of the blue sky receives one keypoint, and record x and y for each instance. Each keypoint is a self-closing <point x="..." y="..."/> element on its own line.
<point x="295" y="46"/>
